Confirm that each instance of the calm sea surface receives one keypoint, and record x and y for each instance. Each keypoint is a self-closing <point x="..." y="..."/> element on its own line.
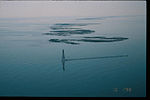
<point x="31" y="60"/>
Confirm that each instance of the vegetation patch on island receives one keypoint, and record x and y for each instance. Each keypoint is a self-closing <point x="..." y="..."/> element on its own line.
<point x="70" y="29"/>
<point x="88" y="39"/>
<point x="69" y="32"/>
<point x="67" y="29"/>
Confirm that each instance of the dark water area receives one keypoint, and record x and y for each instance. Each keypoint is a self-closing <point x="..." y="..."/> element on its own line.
<point x="73" y="56"/>
<point x="99" y="62"/>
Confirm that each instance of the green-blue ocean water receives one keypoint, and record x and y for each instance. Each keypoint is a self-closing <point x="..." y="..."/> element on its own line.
<point x="30" y="65"/>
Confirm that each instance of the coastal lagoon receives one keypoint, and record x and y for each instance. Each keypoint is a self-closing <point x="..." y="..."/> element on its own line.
<point x="34" y="33"/>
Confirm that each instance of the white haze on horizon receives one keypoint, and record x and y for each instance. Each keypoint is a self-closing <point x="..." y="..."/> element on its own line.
<point x="19" y="9"/>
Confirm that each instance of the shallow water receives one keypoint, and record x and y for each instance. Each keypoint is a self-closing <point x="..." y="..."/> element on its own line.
<point x="30" y="64"/>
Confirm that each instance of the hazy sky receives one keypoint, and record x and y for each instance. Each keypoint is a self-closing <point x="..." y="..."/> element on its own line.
<point x="71" y="8"/>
